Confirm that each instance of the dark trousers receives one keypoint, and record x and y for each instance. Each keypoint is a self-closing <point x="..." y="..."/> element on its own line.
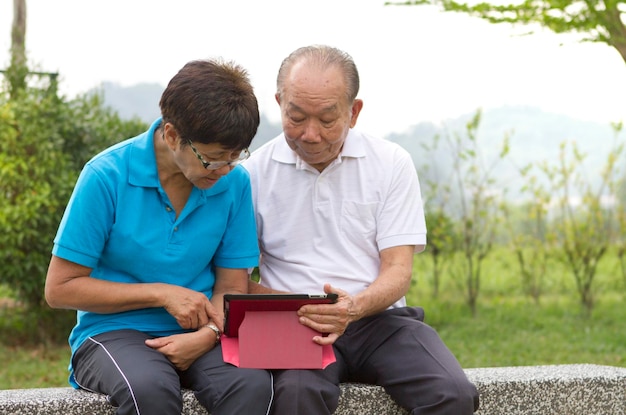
<point x="141" y="381"/>
<point x="394" y="349"/>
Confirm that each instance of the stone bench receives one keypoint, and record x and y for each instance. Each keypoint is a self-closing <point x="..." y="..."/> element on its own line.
<point x="533" y="390"/>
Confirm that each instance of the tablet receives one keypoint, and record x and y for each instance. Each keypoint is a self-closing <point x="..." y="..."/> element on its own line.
<point x="236" y="305"/>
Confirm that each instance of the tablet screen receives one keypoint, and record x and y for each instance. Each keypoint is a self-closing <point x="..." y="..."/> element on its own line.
<point x="236" y="305"/>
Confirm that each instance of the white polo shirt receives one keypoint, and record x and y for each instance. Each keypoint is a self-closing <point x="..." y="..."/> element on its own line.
<point x="329" y="227"/>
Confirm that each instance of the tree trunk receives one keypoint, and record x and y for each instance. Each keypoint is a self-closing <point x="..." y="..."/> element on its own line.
<point x="16" y="73"/>
<point x="616" y="28"/>
<point x="621" y="48"/>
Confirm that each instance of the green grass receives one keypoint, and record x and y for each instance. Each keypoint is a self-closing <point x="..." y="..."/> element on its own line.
<point x="33" y="366"/>
<point x="514" y="331"/>
<point x="509" y="329"/>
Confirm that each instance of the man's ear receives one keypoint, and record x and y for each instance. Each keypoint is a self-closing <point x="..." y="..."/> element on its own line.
<point x="357" y="106"/>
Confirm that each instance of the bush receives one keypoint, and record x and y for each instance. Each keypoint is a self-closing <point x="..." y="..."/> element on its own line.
<point x="44" y="142"/>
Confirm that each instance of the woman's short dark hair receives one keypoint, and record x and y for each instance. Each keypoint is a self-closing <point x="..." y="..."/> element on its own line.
<point x="212" y="101"/>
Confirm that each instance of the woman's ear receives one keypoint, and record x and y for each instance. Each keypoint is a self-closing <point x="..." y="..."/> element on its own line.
<point x="170" y="136"/>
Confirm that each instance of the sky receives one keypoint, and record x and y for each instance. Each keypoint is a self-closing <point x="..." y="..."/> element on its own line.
<point x="416" y="63"/>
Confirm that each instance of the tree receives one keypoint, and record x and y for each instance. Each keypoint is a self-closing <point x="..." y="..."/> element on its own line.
<point x="44" y="141"/>
<point x="530" y="238"/>
<point x="441" y="243"/>
<point x="596" y="21"/>
<point x="587" y="216"/>
<point x="36" y="182"/>
<point x="16" y="74"/>
<point x="435" y="176"/>
<point x="474" y="206"/>
<point x="620" y="243"/>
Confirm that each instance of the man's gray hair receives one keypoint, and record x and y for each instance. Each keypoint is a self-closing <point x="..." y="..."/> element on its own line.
<point x="324" y="57"/>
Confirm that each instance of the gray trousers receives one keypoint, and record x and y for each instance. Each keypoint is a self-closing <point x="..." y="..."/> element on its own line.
<point x="141" y="381"/>
<point x="394" y="349"/>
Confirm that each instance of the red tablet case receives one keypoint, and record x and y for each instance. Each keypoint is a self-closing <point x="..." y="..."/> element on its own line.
<point x="263" y="332"/>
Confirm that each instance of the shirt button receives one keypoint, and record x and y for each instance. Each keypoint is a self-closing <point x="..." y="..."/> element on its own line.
<point x="169" y="209"/>
<point x="175" y="228"/>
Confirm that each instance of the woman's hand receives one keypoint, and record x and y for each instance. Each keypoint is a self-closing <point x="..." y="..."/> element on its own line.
<point x="191" y="309"/>
<point x="183" y="349"/>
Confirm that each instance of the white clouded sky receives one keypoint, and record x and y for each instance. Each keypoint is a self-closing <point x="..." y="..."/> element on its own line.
<point x="416" y="63"/>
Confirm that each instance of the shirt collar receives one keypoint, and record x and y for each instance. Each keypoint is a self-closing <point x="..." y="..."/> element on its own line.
<point x="142" y="161"/>
<point x="352" y="147"/>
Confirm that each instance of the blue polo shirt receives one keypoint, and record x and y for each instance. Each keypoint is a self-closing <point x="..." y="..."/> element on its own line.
<point x="120" y="222"/>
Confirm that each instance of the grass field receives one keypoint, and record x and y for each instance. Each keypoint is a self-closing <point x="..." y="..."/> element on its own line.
<point x="509" y="329"/>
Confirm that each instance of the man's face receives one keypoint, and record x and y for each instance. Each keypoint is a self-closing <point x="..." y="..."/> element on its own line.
<point x="316" y="114"/>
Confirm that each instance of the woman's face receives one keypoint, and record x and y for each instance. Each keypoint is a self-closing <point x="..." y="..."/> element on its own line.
<point x="191" y="158"/>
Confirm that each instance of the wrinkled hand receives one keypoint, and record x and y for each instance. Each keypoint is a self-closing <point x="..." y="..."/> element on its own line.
<point x="191" y="309"/>
<point x="329" y="318"/>
<point x="180" y="349"/>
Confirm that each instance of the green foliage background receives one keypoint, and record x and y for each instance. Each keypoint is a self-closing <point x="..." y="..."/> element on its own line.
<point x="44" y="142"/>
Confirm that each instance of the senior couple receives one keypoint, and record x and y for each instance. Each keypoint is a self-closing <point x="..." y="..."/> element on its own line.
<point x="160" y="226"/>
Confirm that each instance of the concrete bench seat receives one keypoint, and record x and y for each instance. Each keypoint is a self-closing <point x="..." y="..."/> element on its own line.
<point x="580" y="389"/>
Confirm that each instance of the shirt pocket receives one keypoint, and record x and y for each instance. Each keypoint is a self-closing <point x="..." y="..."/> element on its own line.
<point x="358" y="220"/>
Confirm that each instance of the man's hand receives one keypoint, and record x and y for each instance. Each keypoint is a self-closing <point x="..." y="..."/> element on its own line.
<point x="191" y="309"/>
<point x="329" y="318"/>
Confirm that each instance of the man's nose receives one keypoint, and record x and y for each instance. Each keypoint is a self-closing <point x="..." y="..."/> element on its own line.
<point x="311" y="132"/>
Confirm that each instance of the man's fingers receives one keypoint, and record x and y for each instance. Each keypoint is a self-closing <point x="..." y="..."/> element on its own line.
<point x="325" y="340"/>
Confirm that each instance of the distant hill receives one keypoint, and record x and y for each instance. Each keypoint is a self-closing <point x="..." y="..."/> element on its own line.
<point x="532" y="132"/>
<point x="142" y="101"/>
<point x="535" y="135"/>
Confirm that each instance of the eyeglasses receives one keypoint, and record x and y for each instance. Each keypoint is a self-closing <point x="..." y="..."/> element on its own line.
<point x="214" y="165"/>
